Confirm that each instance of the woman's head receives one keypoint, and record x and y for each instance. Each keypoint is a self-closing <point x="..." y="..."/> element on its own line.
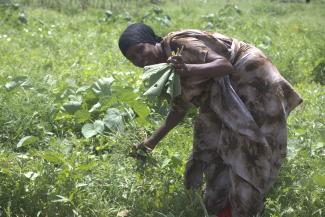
<point x="140" y="45"/>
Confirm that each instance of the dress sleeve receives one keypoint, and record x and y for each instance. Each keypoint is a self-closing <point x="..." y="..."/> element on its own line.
<point x="194" y="51"/>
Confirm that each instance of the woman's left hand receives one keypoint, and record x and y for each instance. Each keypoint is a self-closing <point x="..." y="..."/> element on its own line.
<point x="179" y="65"/>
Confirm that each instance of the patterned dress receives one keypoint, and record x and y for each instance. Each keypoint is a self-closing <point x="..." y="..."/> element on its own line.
<point x="240" y="134"/>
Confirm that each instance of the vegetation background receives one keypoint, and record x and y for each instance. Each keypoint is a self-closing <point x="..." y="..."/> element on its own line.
<point x="71" y="106"/>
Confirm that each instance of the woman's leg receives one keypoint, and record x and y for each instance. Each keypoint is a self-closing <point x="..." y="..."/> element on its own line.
<point x="245" y="200"/>
<point x="205" y="159"/>
<point x="217" y="186"/>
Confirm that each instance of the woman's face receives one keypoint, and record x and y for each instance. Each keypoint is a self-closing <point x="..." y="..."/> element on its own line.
<point x="143" y="54"/>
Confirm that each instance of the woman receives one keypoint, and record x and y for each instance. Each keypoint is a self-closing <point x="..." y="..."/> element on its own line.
<point x="240" y="134"/>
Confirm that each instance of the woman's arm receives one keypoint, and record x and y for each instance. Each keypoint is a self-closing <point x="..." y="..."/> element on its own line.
<point x="215" y="66"/>
<point x="173" y="118"/>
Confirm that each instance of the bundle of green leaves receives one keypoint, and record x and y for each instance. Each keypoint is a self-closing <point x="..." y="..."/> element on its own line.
<point x="160" y="80"/>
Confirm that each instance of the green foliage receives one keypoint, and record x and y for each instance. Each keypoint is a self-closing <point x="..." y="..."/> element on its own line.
<point x="114" y="120"/>
<point x="72" y="107"/>
<point x="89" y="130"/>
<point x="319" y="72"/>
<point x="26" y="141"/>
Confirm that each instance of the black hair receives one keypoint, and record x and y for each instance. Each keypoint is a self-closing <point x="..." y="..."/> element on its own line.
<point x="137" y="33"/>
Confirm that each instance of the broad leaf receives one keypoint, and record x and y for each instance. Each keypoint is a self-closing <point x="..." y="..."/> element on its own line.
<point x="31" y="175"/>
<point x="18" y="81"/>
<point x="11" y="85"/>
<point x="103" y="86"/>
<point x="128" y="96"/>
<point x="82" y="116"/>
<point x="160" y="79"/>
<point x="62" y="199"/>
<point x="95" y="107"/>
<point x="90" y="130"/>
<point x="157" y="87"/>
<point x="85" y="167"/>
<point x="108" y="13"/>
<point x="27" y="140"/>
<point x="99" y="126"/>
<point x="53" y="157"/>
<point x="114" y="120"/>
<point x="71" y="106"/>
<point x="319" y="179"/>
<point x="82" y="89"/>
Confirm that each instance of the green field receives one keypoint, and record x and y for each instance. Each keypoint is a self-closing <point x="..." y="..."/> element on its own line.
<point x="71" y="106"/>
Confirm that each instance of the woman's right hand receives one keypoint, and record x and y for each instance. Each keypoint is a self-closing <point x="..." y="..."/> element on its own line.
<point x="145" y="145"/>
<point x="173" y="118"/>
<point x="140" y="151"/>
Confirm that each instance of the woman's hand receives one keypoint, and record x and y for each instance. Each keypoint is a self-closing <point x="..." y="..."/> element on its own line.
<point x="179" y="65"/>
<point x="140" y="151"/>
<point x="146" y="146"/>
<point x="173" y="118"/>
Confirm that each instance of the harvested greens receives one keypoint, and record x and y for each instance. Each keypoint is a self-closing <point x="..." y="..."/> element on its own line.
<point x="161" y="80"/>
